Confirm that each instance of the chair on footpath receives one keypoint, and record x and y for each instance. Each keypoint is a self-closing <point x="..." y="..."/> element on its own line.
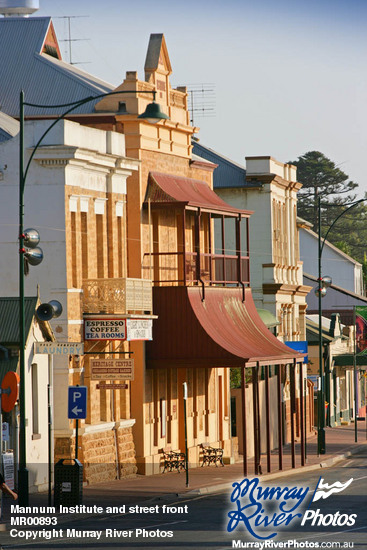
<point x="173" y="460"/>
<point x="211" y="455"/>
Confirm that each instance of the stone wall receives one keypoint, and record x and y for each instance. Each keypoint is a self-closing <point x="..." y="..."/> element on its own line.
<point x="98" y="454"/>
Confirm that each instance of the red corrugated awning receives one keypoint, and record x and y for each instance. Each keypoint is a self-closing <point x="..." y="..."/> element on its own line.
<point x="168" y="189"/>
<point x="221" y="331"/>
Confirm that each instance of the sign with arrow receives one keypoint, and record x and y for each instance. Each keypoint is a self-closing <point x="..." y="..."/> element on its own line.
<point x="77" y="402"/>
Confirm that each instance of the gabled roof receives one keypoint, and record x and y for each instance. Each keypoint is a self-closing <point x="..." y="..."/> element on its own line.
<point x="9" y="127"/>
<point x="329" y="245"/>
<point x="157" y="54"/>
<point x="9" y="318"/>
<point x="45" y="79"/>
<point x="347" y="297"/>
<point x="7" y="365"/>
<point x="228" y="173"/>
<point x="312" y="331"/>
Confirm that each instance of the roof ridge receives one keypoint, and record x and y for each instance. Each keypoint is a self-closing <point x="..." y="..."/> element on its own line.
<point x="53" y="62"/>
<point x="226" y="159"/>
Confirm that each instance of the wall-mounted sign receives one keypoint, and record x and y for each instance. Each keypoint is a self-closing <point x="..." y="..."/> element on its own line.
<point x="112" y="386"/>
<point x="59" y="348"/>
<point x="104" y="329"/>
<point x="139" y="329"/>
<point x="8" y="464"/>
<point x="112" y="369"/>
<point x="5" y="430"/>
<point x="301" y="347"/>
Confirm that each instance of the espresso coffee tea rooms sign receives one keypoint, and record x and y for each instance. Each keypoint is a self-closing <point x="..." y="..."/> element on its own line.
<point x="117" y="329"/>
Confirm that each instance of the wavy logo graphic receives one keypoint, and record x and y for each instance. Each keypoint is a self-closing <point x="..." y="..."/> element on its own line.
<point x="324" y="490"/>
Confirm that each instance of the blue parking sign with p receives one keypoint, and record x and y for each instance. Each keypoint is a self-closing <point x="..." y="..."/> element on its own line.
<point x="77" y="402"/>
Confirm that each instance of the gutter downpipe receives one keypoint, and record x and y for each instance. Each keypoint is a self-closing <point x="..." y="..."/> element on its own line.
<point x="198" y="254"/>
<point x="239" y="249"/>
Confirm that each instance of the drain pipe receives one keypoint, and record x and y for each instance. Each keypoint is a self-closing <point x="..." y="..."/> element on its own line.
<point x="198" y="255"/>
<point x="115" y="435"/>
<point x="239" y="250"/>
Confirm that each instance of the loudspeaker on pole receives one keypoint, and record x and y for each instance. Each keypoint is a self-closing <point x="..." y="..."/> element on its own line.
<point x="49" y="310"/>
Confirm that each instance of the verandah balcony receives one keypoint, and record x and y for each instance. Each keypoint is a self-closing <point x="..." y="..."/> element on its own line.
<point x="184" y="268"/>
<point x="117" y="296"/>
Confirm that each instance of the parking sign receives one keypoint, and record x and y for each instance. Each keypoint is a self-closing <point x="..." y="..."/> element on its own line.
<point x="77" y="402"/>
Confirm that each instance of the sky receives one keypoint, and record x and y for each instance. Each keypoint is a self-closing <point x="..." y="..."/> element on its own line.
<point x="289" y="76"/>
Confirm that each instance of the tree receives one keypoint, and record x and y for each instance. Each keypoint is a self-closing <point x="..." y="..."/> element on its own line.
<point x="320" y="176"/>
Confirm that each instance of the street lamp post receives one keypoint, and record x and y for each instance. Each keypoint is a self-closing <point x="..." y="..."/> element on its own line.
<point x="152" y="114"/>
<point x="323" y="284"/>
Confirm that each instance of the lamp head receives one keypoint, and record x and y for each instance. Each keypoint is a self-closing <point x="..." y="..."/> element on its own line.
<point x="326" y="281"/>
<point x="34" y="255"/>
<point x="31" y="238"/>
<point x="153" y="113"/>
<point x="321" y="291"/>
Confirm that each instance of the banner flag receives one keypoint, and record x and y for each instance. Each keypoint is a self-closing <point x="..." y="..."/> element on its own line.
<point x="361" y="330"/>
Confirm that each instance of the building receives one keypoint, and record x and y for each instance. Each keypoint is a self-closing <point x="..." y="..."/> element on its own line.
<point x="174" y="212"/>
<point x="159" y="227"/>
<point x="269" y="189"/>
<point x="39" y="374"/>
<point x="76" y="197"/>
<point x="345" y="271"/>
<point x="340" y="387"/>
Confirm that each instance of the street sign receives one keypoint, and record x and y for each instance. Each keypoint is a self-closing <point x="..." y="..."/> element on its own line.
<point x="10" y="382"/>
<point x="59" y="348"/>
<point x="112" y="369"/>
<point x="77" y="402"/>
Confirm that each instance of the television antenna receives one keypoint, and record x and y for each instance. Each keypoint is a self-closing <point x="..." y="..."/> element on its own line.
<point x="70" y="40"/>
<point x="201" y="101"/>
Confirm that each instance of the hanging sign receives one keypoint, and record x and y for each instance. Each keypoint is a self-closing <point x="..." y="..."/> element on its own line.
<point x="139" y="329"/>
<point x="59" y="348"/>
<point x="112" y="369"/>
<point x="361" y="330"/>
<point x="104" y="329"/>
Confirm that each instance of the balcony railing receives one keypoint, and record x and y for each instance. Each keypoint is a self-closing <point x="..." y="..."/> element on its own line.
<point x="180" y="268"/>
<point x="117" y="296"/>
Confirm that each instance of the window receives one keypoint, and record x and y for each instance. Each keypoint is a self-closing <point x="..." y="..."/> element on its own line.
<point x="35" y="407"/>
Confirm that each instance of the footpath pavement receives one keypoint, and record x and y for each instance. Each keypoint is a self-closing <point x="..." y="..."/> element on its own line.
<point x="340" y="444"/>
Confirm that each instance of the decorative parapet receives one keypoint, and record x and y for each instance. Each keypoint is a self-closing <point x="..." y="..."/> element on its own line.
<point x="117" y="296"/>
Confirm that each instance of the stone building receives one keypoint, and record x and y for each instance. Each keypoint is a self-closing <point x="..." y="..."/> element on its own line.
<point x="123" y="203"/>
<point x="171" y="215"/>
<point x="76" y="198"/>
<point x="269" y="189"/>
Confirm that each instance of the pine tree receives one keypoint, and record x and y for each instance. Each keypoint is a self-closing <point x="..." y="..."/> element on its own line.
<point x="320" y="176"/>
